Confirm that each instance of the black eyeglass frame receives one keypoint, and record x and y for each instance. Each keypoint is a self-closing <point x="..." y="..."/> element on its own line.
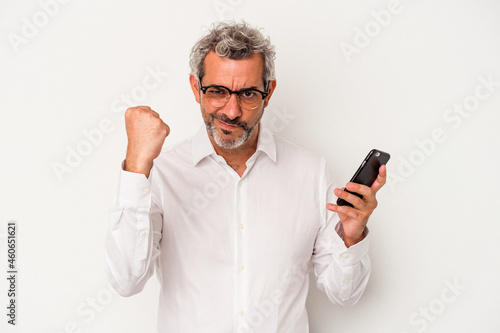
<point x="237" y="92"/>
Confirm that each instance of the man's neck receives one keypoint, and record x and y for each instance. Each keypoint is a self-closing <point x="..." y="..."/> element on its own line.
<point x="237" y="158"/>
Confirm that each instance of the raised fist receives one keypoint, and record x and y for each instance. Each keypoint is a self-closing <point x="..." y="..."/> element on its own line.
<point x="146" y="134"/>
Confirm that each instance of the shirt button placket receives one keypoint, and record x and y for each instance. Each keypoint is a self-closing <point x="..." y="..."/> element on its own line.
<point x="241" y="274"/>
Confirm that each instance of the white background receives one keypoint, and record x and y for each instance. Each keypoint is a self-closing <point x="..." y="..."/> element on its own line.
<point x="65" y="68"/>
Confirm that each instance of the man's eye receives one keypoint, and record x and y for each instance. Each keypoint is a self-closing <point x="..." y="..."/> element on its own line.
<point x="248" y="94"/>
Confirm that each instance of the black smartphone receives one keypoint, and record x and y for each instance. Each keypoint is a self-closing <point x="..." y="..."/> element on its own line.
<point x="367" y="172"/>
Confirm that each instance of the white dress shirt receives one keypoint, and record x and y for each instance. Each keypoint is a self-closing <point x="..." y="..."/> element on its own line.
<point x="232" y="253"/>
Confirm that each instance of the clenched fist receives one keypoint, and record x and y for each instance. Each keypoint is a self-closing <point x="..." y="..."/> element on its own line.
<point x="146" y="134"/>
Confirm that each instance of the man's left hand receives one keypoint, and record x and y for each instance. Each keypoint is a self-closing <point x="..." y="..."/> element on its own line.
<point x="354" y="219"/>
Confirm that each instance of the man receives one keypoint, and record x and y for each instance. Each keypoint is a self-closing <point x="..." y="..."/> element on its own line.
<point x="230" y="218"/>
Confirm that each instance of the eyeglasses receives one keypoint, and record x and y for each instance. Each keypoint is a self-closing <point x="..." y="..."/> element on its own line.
<point x="218" y="96"/>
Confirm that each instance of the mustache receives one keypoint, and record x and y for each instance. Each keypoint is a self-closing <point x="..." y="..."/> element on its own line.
<point x="229" y="121"/>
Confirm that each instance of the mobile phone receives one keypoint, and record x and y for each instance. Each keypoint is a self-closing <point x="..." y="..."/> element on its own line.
<point x="367" y="172"/>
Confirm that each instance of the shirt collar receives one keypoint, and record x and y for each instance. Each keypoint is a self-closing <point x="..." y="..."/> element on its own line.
<point x="202" y="146"/>
<point x="266" y="143"/>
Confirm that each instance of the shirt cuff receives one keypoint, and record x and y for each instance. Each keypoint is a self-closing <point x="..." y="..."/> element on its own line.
<point x="133" y="189"/>
<point x="354" y="253"/>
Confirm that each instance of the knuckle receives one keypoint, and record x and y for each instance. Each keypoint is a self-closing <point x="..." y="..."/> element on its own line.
<point x="357" y="201"/>
<point x="364" y="216"/>
<point x="156" y="123"/>
<point x="129" y="112"/>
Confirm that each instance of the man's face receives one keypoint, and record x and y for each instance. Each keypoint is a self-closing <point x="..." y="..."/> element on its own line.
<point x="231" y="126"/>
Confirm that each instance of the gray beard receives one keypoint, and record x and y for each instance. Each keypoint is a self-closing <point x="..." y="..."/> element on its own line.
<point x="228" y="143"/>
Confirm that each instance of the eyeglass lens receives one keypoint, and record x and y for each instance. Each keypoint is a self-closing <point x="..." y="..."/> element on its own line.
<point x="219" y="96"/>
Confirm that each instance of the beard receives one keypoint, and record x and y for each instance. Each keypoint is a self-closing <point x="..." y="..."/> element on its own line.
<point x="224" y="140"/>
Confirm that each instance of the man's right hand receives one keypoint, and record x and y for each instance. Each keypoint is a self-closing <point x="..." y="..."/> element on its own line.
<point x="146" y="134"/>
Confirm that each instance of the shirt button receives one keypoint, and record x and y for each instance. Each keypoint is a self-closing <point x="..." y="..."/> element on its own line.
<point x="242" y="312"/>
<point x="347" y="281"/>
<point x="241" y="226"/>
<point x="240" y="183"/>
<point x="242" y="267"/>
<point x="143" y="233"/>
<point x="345" y="256"/>
<point x="146" y="190"/>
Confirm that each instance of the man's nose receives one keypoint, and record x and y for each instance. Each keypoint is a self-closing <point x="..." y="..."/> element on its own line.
<point x="232" y="109"/>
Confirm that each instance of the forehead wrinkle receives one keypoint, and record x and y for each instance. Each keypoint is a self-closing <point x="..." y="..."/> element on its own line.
<point x="234" y="85"/>
<point x="234" y="74"/>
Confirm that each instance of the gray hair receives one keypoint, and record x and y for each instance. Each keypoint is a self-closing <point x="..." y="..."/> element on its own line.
<point x="235" y="41"/>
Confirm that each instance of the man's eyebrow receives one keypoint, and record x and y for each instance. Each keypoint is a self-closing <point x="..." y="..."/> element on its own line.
<point x="252" y="87"/>
<point x="220" y="85"/>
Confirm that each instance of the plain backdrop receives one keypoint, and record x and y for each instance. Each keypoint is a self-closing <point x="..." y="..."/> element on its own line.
<point x="418" y="79"/>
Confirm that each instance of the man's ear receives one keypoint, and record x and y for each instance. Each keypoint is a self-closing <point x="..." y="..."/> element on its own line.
<point x="272" y="86"/>
<point x="193" y="81"/>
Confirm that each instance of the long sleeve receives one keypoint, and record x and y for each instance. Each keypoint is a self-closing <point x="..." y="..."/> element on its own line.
<point x="341" y="272"/>
<point x="134" y="234"/>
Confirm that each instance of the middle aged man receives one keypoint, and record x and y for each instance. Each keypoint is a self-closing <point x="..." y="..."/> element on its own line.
<point x="232" y="218"/>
